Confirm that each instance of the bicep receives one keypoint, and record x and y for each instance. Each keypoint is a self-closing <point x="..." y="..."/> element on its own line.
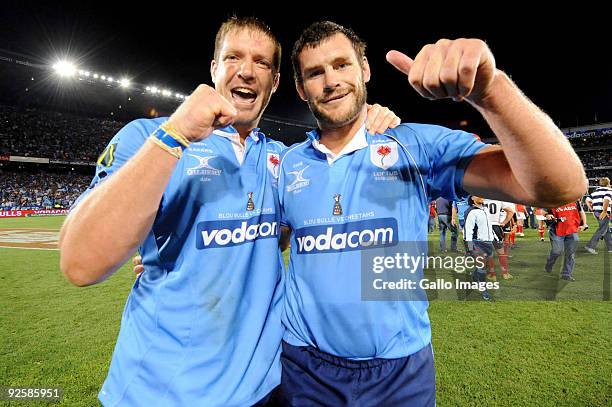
<point x="489" y="175"/>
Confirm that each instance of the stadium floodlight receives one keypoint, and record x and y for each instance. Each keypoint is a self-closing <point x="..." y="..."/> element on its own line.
<point x="148" y="89"/>
<point x="110" y="79"/>
<point x="81" y="72"/>
<point x="125" y="83"/>
<point x="95" y="76"/>
<point x="87" y="73"/>
<point x="166" y="92"/>
<point x="154" y="89"/>
<point x="103" y="77"/>
<point x="65" y="68"/>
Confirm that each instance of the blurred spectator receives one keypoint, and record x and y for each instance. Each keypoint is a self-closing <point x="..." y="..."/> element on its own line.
<point x="60" y="136"/>
<point x="595" y="158"/>
<point x="40" y="190"/>
<point x="596" y="140"/>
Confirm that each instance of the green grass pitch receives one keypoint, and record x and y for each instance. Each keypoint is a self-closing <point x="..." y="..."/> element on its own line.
<point x="527" y="352"/>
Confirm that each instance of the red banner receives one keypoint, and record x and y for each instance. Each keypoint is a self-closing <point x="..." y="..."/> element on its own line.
<point x="32" y="212"/>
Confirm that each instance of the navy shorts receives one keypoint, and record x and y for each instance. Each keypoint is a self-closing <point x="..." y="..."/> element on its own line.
<point x="314" y="378"/>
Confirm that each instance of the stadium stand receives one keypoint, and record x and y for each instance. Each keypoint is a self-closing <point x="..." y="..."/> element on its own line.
<point x="60" y="141"/>
<point x="53" y="135"/>
<point x="40" y="189"/>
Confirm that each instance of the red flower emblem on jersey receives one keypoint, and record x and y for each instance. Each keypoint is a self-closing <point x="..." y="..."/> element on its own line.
<point x="274" y="160"/>
<point x="383" y="151"/>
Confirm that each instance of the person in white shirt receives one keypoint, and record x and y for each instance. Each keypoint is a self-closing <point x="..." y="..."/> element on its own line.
<point x="500" y="215"/>
<point x="479" y="237"/>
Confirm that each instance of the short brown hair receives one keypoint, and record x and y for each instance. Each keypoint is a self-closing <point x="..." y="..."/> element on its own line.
<point x="318" y="32"/>
<point x="235" y="23"/>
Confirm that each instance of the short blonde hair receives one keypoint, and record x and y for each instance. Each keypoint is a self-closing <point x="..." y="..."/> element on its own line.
<point x="238" y="23"/>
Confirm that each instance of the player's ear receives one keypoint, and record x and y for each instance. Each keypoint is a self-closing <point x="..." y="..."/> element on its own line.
<point x="299" y="86"/>
<point x="276" y="81"/>
<point x="213" y="71"/>
<point x="365" y="66"/>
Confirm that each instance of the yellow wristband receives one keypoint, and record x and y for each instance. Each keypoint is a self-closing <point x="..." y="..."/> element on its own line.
<point x="167" y="127"/>
<point x="174" y="151"/>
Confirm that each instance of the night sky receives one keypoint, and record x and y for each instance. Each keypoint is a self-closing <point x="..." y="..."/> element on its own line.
<point x="559" y="58"/>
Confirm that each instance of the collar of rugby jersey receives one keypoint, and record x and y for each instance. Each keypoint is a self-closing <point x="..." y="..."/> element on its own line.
<point x="233" y="136"/>
<point x="358" y="142"/>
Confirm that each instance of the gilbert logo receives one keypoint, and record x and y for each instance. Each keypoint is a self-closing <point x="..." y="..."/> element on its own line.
<point x="299" y="181"/>
<point x="203" y="167"/>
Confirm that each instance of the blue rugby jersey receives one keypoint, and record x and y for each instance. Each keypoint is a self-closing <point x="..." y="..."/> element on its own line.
<point x="462" y="206"/>
<point x="379" y="192"/>
<point x="202" y="324"/>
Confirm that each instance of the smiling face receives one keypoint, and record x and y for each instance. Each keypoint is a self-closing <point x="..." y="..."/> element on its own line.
<point x="333" y="81"/>
<point x="245" y="75"/>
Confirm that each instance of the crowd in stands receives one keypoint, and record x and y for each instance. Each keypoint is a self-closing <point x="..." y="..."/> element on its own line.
<point x="596" y="158"/>
<point x="53" y="135"/>
<point x="596" y="140"/>
<point x="40" y="190"/>
<point x="61" y="136"/>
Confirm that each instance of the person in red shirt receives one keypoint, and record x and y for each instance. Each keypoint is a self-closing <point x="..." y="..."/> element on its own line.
<point x="432" y="216"/>
<point x="565" y="223"/>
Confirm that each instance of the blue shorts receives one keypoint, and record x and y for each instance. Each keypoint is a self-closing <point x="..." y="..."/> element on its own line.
<point x="272" y="399"/>
<point x="482" y="248"/>
<point x="314" y="378"/>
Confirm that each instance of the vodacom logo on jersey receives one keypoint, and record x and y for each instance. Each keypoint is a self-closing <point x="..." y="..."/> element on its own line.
<point x="360" y="235"/>
<point x="216" y="234"/>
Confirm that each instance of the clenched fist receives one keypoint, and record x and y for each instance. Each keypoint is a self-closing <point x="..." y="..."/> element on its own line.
<point x="457" y="69"/>
<point x="202" y="112"/>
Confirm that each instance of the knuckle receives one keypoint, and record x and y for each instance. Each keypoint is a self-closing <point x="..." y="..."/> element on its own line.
<point x="430" y="84"/>
<point x="413" y="79"/>
<point x="466" y="70"/>
<point x="427" y="48"/>
<point x="447" y="76"/>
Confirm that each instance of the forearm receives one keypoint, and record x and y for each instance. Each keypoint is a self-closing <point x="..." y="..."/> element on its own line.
<point x="112" y="221"/>
<point x="508" y="218"/>
<point x="545" y="169"/>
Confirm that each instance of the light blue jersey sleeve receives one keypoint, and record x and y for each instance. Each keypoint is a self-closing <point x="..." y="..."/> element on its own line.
<point x="120" y="149"/>
<point x="441" y="154"/>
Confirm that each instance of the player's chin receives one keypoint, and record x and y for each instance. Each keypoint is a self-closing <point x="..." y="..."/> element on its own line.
<point x="246" y="118"/>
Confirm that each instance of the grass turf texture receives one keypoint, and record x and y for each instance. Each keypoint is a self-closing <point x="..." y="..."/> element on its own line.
<point x="504" y="353"/>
